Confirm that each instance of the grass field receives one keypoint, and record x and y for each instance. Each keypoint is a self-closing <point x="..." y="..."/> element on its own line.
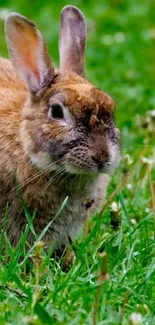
<point x="113" y="278"/>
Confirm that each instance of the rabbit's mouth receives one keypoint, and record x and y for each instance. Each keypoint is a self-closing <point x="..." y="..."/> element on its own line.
<point x="82" y="161"/>
<point x="97" y="155"/>
<point x="79" y="160"/>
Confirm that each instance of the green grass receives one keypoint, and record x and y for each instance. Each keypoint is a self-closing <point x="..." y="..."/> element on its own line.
<point x="120" y="60"/>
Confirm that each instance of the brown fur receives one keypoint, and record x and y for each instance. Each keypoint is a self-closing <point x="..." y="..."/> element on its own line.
<point x="28" y="133"/>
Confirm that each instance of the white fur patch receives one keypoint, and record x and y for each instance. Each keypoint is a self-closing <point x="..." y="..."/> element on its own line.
<point x="42" y="160"/>
<point x="114" y="156"/>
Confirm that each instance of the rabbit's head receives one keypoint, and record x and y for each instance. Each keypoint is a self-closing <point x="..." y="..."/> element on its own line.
<point x="67" y="123"/>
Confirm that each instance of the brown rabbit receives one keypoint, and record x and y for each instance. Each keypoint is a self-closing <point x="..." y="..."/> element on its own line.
<point x="57" y="132"/>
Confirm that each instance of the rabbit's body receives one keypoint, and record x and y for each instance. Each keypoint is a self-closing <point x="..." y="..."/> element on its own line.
<point x="17" y="170"/>
<point x="57" y="132"/>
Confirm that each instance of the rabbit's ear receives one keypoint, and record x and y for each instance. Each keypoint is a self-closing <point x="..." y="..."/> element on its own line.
<point x="72" y="40"/>
<point x="28" y="52"/>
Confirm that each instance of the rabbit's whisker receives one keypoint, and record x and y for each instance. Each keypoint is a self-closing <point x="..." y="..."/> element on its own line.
<point x="58" y="174"/>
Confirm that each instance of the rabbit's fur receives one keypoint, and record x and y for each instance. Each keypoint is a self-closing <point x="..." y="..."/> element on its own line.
<point x="57" y="135"/>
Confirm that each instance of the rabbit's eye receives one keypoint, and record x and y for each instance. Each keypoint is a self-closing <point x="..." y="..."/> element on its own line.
<point x="56" y="111"/>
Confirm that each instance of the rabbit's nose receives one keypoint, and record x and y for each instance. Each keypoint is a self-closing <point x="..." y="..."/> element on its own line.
<point x="98" y="162"/>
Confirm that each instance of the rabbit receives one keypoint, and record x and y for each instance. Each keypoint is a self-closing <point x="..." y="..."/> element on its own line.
<point x="58" y="136"/>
